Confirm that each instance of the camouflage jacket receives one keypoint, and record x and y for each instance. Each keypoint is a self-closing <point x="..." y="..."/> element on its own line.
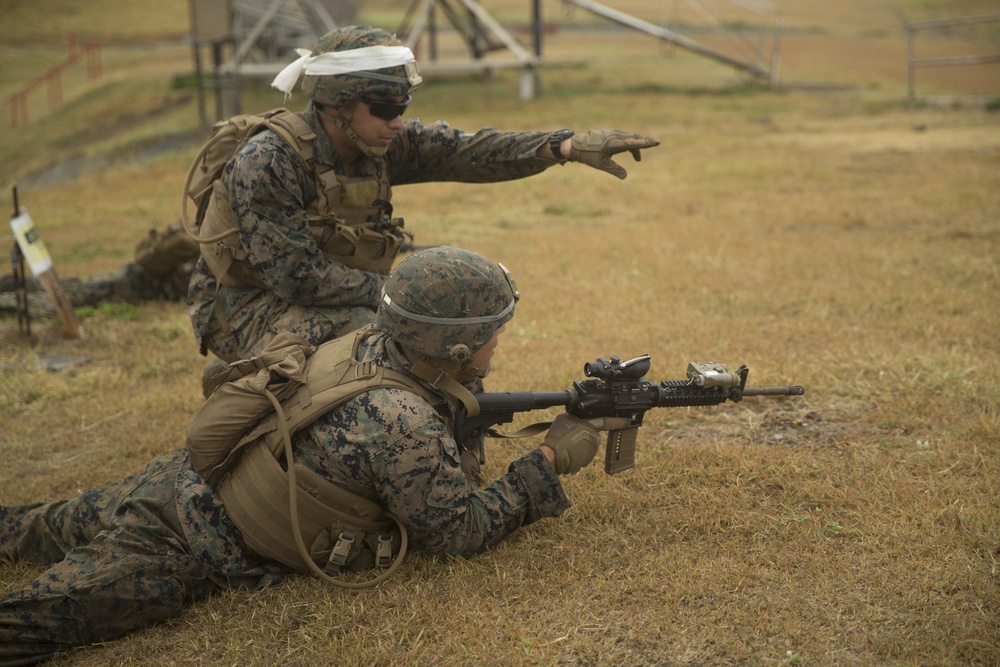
<point x="391" y="446"/>
<point x="269" y="189"/>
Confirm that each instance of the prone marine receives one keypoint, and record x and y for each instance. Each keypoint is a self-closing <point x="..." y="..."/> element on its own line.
<point x="381" y="457"/>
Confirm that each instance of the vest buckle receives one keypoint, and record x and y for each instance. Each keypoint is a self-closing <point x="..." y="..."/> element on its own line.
<point x="383" y="553"/>
<point x="364" y="370"/>
<point x="342" y="549"/>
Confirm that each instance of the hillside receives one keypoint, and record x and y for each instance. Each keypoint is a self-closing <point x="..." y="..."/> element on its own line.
<point x="144" y="100"/>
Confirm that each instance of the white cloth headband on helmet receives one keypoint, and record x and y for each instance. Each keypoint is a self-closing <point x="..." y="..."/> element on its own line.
<point x="341" y="62"/>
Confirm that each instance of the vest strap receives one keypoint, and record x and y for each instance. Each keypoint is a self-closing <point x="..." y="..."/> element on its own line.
<point x="440" y="380"/>
<point x="282" y="512"/>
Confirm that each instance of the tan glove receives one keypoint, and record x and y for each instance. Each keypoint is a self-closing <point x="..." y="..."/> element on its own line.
<point x="575" y="440"/>
<point x="596" y="147"/>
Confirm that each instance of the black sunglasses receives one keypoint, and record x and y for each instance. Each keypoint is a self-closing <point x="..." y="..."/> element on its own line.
<point x="386" y="109"/>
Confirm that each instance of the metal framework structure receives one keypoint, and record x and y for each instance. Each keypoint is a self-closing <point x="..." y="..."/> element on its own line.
<point x="912" y="62"/>
<point x="759" y="60"/>
<point x="256" y="34"/>
<point x="263" y="31"/>
<point x="481" y="33"/>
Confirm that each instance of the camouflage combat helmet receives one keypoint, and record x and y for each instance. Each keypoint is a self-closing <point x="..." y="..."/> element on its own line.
<point x="347" y="64"/>
<point x="339" y="90"/>
<point x="445" y="304"/>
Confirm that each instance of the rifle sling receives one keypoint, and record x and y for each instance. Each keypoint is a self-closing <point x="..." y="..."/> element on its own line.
<point x="527" y="431"/>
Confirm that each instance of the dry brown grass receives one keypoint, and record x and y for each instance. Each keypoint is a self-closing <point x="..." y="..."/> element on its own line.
<point x="842" y="240"/>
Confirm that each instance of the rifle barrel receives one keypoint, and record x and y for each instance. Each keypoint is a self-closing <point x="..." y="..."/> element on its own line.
<point x="795" y="390"/>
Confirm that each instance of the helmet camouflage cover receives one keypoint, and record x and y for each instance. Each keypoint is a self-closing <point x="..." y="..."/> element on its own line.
<point x="339" y="90"/>
<point x="446" y="303"/>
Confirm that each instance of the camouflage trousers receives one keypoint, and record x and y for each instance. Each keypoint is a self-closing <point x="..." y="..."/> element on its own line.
<point x="119" y="562"/>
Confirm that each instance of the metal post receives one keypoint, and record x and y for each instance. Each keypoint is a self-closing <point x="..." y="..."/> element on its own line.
<point x="774" y="66"/>
<point x="20" y="282"/>
<point x="536" y="20"/>
<point x="237" y="102"/>
<point x="199" y="77"/>
<point x="910" y="69"/>
<point x="432" y="30"/>
<point x="217" y="79"/>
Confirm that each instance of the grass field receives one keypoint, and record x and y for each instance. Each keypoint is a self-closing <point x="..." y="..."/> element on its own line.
<point x="829" y="233"/>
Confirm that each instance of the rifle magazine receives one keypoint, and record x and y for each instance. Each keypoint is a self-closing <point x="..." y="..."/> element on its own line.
<point x="620" y="452"/>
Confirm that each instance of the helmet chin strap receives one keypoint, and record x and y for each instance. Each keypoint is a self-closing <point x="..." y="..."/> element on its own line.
<point x="476" y="371"/>
<point x="442" y="381"/>
<point x="437" y="373"/>
<point x="343" y="121"/>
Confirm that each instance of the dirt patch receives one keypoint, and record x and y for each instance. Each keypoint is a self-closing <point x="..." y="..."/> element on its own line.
<point x="780" y="423"/>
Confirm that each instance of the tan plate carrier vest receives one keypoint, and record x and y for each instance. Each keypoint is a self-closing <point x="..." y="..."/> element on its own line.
<point x="285" y="515"/>
<point x="348" y="218"/>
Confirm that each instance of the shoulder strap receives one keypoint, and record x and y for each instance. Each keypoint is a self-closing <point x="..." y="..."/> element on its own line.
<point x="207" y="165"/>
<point x="333" y="376"/>
<point x="295" y="131"/>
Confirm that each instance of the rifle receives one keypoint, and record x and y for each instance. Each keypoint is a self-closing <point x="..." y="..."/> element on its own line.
<point x="616" y="389"/>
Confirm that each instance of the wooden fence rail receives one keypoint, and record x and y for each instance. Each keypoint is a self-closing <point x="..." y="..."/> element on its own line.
<point x="52" y="80"/>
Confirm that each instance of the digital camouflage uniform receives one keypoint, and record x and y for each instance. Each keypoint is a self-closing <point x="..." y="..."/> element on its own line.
<point x="269" y="188"/>
<point x="135" y="552"/>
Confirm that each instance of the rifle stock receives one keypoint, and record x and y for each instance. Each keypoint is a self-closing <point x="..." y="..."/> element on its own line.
<point x="616" y="388"/>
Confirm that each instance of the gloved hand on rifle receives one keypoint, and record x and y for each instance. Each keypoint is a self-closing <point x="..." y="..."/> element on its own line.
<point x="596" y="148"/>
<point x="574" y="441"/>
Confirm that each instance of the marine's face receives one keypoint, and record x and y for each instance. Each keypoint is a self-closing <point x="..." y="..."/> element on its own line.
<point x="372" y="129"/>
<point x="484" y="355"/>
